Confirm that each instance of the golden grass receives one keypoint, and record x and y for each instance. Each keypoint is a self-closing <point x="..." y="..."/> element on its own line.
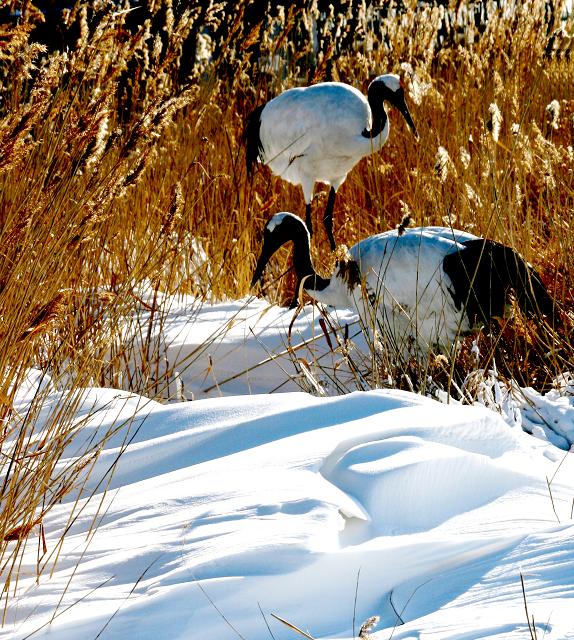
<point x="121" y="160"/>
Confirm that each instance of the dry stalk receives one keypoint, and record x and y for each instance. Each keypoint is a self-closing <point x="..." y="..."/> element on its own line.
<point x="121" y="165"/>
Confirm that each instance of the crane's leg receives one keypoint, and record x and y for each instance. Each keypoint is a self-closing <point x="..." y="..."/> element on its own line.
<point x="328" y="218"/>
<point x="308" y="218"/>
<point x="295" y="302"/>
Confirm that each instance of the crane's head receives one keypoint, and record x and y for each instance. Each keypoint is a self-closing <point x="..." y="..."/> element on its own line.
<point x="390" y="88"/>
<point x="280" y="229"/>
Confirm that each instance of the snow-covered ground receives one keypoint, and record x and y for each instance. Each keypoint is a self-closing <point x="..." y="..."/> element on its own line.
<point x="323" y="511"/>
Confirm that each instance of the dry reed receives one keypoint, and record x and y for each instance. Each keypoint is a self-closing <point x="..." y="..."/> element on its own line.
<point x="121" y="167"/>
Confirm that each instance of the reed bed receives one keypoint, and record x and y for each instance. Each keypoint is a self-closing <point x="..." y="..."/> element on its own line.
<point x="122" y="172"/>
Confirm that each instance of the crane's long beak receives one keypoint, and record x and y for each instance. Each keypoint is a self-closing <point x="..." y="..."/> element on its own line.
<point x="259" y="269"/>
<point x="401" y="105"/>
<point x="266" y="253"/>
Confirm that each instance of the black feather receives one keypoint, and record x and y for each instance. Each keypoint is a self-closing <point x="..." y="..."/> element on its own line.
<point x="252" y="138"/>
<point x="483" y="275"/>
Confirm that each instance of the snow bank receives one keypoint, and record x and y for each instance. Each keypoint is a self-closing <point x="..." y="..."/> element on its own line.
<point x="223" y="511"/>
<point x="212" y="515"/>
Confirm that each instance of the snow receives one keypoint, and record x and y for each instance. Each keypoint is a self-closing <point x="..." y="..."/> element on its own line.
<point x="321" y="510"/>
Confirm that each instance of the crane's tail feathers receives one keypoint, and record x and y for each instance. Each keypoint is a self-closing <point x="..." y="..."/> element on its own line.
<point x="252" y="138"/>
<point x="483" y="275"/>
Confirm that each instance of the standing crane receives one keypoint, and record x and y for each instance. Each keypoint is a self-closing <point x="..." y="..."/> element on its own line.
<point x="319" y="133"/>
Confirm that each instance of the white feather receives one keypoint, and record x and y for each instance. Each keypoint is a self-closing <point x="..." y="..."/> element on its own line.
<point x="319" y="133"/>
<point x="396" y="282"/>
<point x="313" y="134"/>
<point x="404" y="275"/>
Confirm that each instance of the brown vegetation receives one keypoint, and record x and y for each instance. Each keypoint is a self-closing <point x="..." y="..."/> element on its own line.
<point x="121" y="159"/>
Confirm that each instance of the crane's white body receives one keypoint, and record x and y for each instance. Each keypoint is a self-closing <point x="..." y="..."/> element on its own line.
<point x="313" y="134"/>
<point x="419" y="289"/>
<point x="404" y="291"/>
<point x="319" y="133"/>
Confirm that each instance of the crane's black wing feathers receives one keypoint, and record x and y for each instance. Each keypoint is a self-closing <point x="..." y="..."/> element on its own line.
<point x="252" y="138"/>
<point x="485" y="272"/>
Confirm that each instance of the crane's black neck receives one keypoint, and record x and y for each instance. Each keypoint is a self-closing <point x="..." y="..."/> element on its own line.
<point x="376" y="96"/>
<point x="303" y="266"/>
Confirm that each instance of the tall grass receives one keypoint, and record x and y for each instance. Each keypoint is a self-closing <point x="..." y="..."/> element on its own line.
<point x="122" y="179"/>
